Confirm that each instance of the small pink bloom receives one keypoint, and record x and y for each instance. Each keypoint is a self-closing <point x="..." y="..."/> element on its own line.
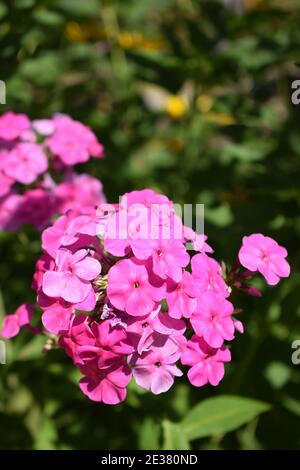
<point x="207" y="363"/>
<point x="142" y="331"/>
<point x="81" y="194"/>
<point x="12" y="125"/>
<point x="57" y="318"/>
<point x="73" y="142"/>
<point x="72" y="279"/>
<point x="105" y="385"/>
<point x="263" y="254"/>
<point x="13" y="323"/>
<point x="181" y="297"/>
<point x="212" y="319"/>
<point x="25" y="163"/>
<point x="168" y="257"/>
<point x="208" y="275"/>
<point x="198" y="240"/>
<point x="155" y="370"/>
<point x="44" y="127"/>
<point x="129" y="288"/>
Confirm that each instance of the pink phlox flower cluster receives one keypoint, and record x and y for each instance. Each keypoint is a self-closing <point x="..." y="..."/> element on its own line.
<point x="128" y="301"/>
<point x="29" y="152"/>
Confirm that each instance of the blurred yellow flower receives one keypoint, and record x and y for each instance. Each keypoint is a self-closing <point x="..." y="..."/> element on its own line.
<point x="204" y="103"/>
<point x="136" y="40"/>
<point x="176" y="106"/>
<point x="223" y="119"/>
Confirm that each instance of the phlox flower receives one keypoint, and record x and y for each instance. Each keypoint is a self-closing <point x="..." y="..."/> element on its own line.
<point x="78" y="334"/>
<point x="73" y="275"/>
<point x="36" y="208"/>
<point x="181" y="297"/>
<point x="130" y="288"/>
<point x="207" y="364"/>
<point x="25" y="162"/>
<point x="5" y="183"/>
<point x="13" y="323"/>
<point x="155" y="369"/>
<point x="106" y="385"/>
<point x="212" y="319"/>
<point x="72" y="141"/>
<point x="57" y="317"/>
<point x="169" y="257"/>
<point x="13" y="125"/>
<point x="80" y="193"/>
<point x="263" y="254"/>
<point x="208" y="275"/>
<point x="142" y="331"/>
<point x="9" y="206"/>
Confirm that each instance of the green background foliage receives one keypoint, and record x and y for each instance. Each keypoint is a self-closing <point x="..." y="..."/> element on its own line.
<point x="193" y="99"/>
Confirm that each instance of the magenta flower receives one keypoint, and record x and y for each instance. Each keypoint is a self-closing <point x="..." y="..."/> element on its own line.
<point x="142" y="331"/>
<point x="129" y="288"/>
<point x="181" y="297"/>
<point x="169" y="257"/>
<point x="105" y="385"/>
<point x="57" y="318"/>
<point x="13" y="323"/>
<point x="207" y="363"/>
<point x="5" y="183"/>
<point x="263" y="254"/>
<point x="212" y="319"/>
<point x="12" y="125"/>
<point x="208" y="275"/>
<point x="25" y="162"/>
<point x="155" y="370"/>
<point x="72" y="279"/>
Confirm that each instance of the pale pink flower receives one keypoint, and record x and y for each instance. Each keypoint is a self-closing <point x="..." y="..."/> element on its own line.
<point x="44" y="127"/>
<point x="129" y="288"/>
<point x="12" y="125"/>
<point x="212" y="319"/>
<point x="73" y="142"/>
<point x="155" y="370"/>
<point x="263" y="254"/>
<point x="207" y="363"/>
<point x="13" y="323"/>
<point x="208" y="275"/>
<point x="72" y="279"/>
<point x="25" y="162"/>
<point x="5" y="183"/>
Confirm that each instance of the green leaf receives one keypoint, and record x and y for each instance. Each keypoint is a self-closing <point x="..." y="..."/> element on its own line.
<point x="220" y="415"/>
<point x="174" y="437"/>
<point x="149" y="435"/>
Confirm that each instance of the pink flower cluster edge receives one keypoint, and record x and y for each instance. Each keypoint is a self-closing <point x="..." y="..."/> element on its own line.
<point x="132" y="307"/>
<point x="37" y="177"/>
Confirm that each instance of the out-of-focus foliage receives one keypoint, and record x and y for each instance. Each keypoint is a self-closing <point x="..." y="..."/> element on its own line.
<point x="192" y="98"/>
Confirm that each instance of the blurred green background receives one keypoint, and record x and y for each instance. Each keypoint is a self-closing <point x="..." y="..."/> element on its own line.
<point x="193" y="99"/>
